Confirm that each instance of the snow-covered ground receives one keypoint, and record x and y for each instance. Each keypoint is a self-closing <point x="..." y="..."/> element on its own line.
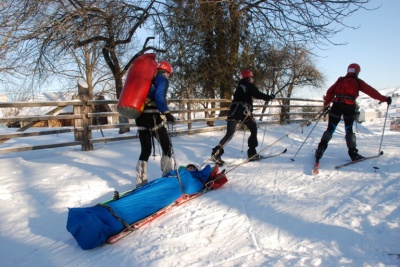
<point x="270" y="213"/>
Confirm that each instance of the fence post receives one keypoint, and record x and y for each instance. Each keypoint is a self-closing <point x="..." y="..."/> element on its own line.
<point x="86" y="135"/>
<point x="189" y="108"/>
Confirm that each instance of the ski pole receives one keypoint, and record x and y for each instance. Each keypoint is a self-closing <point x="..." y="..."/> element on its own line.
<point x="318" y="118"/>
<point x="175" y="164"/>
<point x="265" y="127"/>
<point x="269" y="110"/>
<point x="383" y="131"/>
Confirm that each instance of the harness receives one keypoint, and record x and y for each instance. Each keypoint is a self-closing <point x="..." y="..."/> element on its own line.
<point x="245" y="105"/>
<point x="153" y="131"/>
<point x="158" y="126"/>
<point x="345" y="97"/>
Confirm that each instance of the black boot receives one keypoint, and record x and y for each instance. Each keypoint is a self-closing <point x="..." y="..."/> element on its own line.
<point x="252" y="154"/>
<point x="322" y="146"/>
<point x="216" y="155"/>
<point x="353" y="153"/>
<point x="351" y="143"/>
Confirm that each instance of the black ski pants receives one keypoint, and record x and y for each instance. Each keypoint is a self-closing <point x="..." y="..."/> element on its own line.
<point x="151" y="125"/>
<point x="238" y="113"/>
<point x="338" y="109"/>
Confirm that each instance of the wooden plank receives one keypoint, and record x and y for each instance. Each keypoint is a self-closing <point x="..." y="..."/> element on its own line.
<point x="198" y="110"/>
<point x="200" y="120"/>
<point x="199" y="130"/>
<point x="40" y="104"/>
<point x="36" y="118"/>
<point x="111" y="126"/>
<point x="199" y="100"/>
<point x="109" y="139"/>
<point x="299" y="99"/>
<point x="19" y="134"/>
<point x="102" y="114"/>
<point x="102" y="102"/>
<point x="29" y="148"/>
<point x="22" y="129"/>
<point x="296" y="121"/>
<point x="292" y="106"/>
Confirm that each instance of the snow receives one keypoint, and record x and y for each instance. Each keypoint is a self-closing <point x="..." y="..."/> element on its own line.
<point x="270" y="213"/>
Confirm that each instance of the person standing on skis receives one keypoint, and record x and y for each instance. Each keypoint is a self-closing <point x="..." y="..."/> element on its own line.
<point x="150" y="124"/>
<point x="343" y="94"/>
<point x="241" y="110"/>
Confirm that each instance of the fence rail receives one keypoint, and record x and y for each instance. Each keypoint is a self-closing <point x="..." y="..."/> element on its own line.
<point x="194" y="115"/>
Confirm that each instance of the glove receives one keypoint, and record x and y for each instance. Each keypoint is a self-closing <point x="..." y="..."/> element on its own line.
<point x="389" y="100"/>
<point x="269" y="97"/>
<point x="169" y="117"/>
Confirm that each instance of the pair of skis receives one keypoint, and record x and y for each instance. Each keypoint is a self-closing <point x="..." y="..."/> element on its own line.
<point x="262" y="157"/>
<point x="316" y="164"/>
<point x="222" y="163"/>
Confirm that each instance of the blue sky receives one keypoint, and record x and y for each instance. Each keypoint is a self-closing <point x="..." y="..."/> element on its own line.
<point x="375" y="46"/>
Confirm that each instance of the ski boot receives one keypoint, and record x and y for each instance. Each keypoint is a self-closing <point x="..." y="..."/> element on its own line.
<point x="252" y="154"/>
<point x="353" y="153"/>
<point x="322" y="146"/>
<point x="216" y="155"/>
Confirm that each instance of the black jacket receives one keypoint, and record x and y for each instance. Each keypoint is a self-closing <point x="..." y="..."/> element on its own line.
<point x="246" y="91"/>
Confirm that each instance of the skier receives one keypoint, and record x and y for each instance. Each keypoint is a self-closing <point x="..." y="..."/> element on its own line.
<point x="150" y="124"/>
<point x="241" y="109"/>
<point x="343" y="94"/>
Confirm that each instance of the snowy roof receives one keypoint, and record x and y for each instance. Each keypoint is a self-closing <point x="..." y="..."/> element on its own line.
<point x="48" y="96"/>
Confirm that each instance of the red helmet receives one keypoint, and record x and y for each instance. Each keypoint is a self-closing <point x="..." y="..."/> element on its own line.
<point x="164" y="65"/>
<point x="353" y="68"/>
<point x="245" y="74"/>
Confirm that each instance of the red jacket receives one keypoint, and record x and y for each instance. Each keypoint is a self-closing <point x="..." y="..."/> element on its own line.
<point x="346" y="90"/>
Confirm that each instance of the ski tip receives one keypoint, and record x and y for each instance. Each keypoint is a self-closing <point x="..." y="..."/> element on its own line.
<point x="381" y="153"/>
<point x="315" y="170"/>
<point x="284" y="151"/>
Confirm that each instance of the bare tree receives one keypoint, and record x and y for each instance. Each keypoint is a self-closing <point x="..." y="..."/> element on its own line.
<point x="56" y="30"/>
<point x="296" y="69"/>
<point x="220" y="34"/>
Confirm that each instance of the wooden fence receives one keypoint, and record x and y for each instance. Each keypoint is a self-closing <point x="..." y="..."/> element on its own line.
<point x="191" y="113"/>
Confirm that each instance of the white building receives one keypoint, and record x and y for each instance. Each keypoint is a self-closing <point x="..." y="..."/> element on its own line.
<point x="3" y="98"/>
<point x="367" y="115"/>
